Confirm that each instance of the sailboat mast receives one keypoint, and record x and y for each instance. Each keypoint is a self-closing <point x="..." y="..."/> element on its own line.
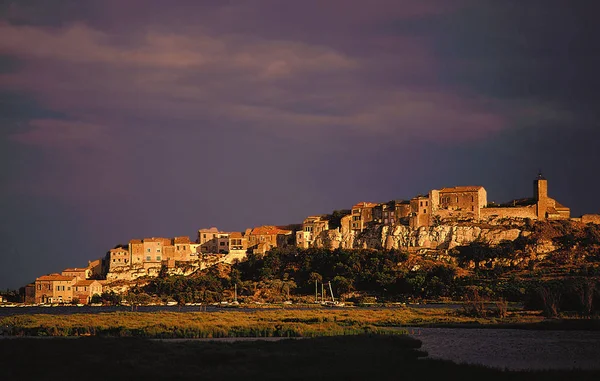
<point x="331" y="290"/>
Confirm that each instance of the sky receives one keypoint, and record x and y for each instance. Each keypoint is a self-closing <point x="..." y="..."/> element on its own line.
<point x="140" y="118"/>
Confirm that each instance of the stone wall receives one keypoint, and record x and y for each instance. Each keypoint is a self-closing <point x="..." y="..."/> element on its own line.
<point x="491" y="214"/>
<point x="590" y="218"/>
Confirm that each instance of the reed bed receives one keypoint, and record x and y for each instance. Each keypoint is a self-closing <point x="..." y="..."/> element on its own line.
<point x="241" y="323"/>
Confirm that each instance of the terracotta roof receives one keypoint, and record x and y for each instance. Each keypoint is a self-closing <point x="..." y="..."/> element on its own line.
<point x="269" y="229"/>
<point x="236" y="235"/>
<point x="55" y="277"/>
<point x="364" y="205"/>
<point x="135" y="241"/>
<point x="211" y="230"/>
<point x="85" y="282"/>
<point x="461" y="189"/>
<point x="181" y="240"/>
<point x="74" y="269"/>
<point x="119" y="249"/>
<point x="156" y="239"/>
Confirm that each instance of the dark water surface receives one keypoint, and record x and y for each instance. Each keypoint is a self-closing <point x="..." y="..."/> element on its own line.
<point x="513" y="349"/>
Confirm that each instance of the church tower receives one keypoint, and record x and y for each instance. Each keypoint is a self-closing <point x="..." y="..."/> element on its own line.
<point x="540" y="194"/>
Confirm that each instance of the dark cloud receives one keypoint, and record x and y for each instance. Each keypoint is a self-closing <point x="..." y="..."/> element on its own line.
<point x="140" y="118"/>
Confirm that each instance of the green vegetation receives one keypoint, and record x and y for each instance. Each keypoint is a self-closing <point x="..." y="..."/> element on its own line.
<point x="363" y="357"/>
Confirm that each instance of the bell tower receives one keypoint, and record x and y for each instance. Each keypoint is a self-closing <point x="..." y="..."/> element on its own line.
<point x="540" y="194"/>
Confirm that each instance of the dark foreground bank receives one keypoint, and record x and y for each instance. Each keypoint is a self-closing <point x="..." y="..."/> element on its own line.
<point x="364" y="357"/>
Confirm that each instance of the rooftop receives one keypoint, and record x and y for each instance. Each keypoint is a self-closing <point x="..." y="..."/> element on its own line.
<point x="269" y="229"/>
<point x="181" y="239"/>
<point x="469" y="188"/>
<point x="364" y="204"/>
<point x="85" y="282"/>
<point x="55" y="277"/>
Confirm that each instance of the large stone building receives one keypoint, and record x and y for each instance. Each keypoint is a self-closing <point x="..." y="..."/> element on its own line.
<point x="80" y="273"/>
<point x="213" y="241"/>
<point x="362" y="214"/>
<point x="311" y="228"/>
<point x="539" y="207"/>
<point x="117" y="257"/>
<point x="84" y="290"/>
<point x="238" y="243"/>
<point x="54" y="288"/>
<point x="392" y="212"/>
<point x="264" y="238"/>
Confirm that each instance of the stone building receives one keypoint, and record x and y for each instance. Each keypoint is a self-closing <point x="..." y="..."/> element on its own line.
<point x="362" y="214"/>
<point x="548" y="208"/>
<point x="539" y="207"/>
<point x="136" y="251"/>
<point x="96" y="267"/>
<point x="264" y="238"/>
<point x="311" y="228"/>
<point x="420" y="211"/>
<point x="181" y="249"/>
<point x="117" y="257"/>
<point x="76" y="272"/>
<point x="213" y="241"/>
<point x="83" y="290"/>
<point x="238" y="243"/>
<point x="392" y="212"/>
<point x="54" y="288"/>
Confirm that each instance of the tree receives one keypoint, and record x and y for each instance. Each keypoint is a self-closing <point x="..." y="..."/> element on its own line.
<point x="343" y="285"/>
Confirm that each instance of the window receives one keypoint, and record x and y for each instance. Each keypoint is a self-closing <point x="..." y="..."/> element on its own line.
<point x="148" y="250"/>
<point x="39" y="286"/>
<point x="177" y="247"/>
<point x="472" y="208"/>
<point x="472" y="198"/>
<point x="148" y="258"/>
<point x="204" y="236"/>
<point x="424" y="211"/>
<point x="158" y="250"/>
<point x="158" y="257"/>
<point x="426" y="203"/>
<point x="421" y="204"/>
<point x="221" y="243"/>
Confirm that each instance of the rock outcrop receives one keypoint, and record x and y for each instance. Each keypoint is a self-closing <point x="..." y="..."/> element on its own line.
<point x="441" y="237"/>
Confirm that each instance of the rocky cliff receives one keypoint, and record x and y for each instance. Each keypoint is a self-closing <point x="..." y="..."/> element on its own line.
<point x="441" y="237"/>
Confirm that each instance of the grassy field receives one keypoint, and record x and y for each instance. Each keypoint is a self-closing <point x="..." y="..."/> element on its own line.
<point x="260" y="323"/>
<point x="359" y="357"/>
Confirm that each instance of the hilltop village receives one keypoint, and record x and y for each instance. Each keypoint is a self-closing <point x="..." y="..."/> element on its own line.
<point x="431" y="221"/>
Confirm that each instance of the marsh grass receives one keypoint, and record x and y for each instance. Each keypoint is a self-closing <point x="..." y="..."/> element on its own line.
<point x="235" y="323"/>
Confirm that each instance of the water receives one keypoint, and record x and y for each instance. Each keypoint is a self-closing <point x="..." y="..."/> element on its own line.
<point x="512" y="348"/>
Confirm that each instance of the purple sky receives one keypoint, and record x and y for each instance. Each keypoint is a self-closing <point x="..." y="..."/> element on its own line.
<point x="127" y="119"/>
